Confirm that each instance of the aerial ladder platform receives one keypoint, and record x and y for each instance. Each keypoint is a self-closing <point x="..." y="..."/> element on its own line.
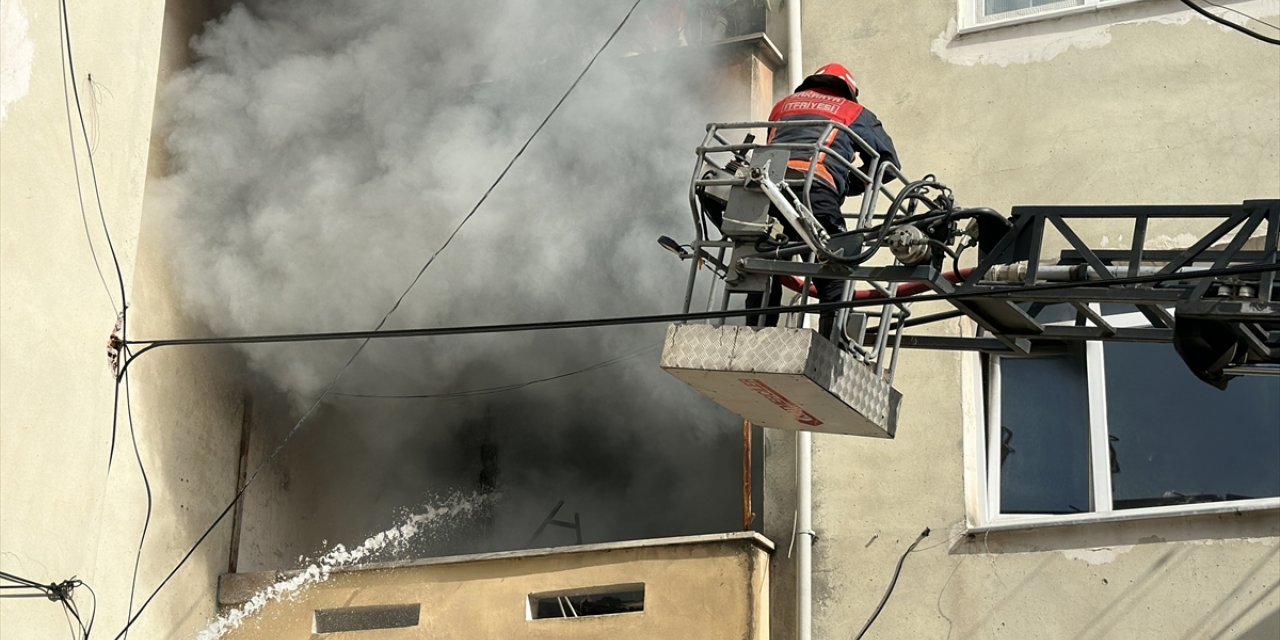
<point x="1038" y="289"/>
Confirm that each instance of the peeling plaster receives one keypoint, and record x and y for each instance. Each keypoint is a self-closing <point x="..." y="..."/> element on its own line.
<point x="1044" y="41"/>
<point x="1184" y="240"/>
<point x="17" y="55"/>
<point x="1098" y="556"/>
<point x="1214" y="542"/>
<point x="1180" y="241"/>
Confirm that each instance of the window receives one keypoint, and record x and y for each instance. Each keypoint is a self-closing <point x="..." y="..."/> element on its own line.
<point x="978" y="15"/>
<point x="591" y="601"/>
<point x="374" y="618"/>
<point x="1118" y="431"/>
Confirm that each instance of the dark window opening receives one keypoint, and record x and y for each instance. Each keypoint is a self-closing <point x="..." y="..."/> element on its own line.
<point x="1176" y="440"/>
<point x="1170" y="439"/>
<point x="367" y="618"/>
<point x="1044" y="435"/>
<point x="599" y="601"/>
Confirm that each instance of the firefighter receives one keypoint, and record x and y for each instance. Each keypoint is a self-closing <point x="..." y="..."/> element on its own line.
<point x="830" y="93"/>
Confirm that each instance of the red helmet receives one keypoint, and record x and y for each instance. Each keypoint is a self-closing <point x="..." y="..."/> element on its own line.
<point x="832" y="76"/>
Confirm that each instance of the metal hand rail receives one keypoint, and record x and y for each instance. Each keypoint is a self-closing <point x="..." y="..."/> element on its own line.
<point x="713" y="168"/>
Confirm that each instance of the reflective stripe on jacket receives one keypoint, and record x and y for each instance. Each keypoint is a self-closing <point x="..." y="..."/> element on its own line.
<point x="818" y="104"/>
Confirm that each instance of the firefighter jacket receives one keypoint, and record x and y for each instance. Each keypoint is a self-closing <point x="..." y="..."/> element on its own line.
<point x="818" y="104"/>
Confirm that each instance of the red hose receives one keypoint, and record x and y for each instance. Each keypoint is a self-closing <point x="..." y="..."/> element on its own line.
<point x="909" y="289"/>
<point x="912" y="288"/>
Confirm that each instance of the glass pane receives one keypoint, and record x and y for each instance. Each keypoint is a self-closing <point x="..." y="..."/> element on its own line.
<point x="1044" y="432"/>
<point x="993" y="7"/>
<point x="1136" y="317"/>
<point x="1053" y="313"/>
<point x="1177" y="440"/>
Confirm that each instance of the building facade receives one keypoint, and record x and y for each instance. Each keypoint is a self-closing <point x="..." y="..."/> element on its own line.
<point x="714" y="586"/>
<point x="1009" y="103"/>
<point x="1069" y="103"/>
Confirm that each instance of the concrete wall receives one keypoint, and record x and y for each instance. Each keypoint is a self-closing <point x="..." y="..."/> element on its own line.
<point x="1139" y="104"/>
<point x="706" y="587"/>
<point x="63" y="511"/>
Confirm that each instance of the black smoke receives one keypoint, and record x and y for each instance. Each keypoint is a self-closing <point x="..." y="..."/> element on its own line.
<point x="321" y="152"/>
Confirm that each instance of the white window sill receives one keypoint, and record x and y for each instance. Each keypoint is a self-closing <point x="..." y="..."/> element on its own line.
<point x="1016" y="522"/>
<point x="968" y="25"/>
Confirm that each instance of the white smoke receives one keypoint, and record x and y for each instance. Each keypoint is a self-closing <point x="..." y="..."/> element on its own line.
<point x="321" y="151"/>
<point x="339" y="557"/>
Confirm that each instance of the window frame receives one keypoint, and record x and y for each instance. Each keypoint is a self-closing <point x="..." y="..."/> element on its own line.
<point x="971" y="20"/>
<point x="982" y="480"/>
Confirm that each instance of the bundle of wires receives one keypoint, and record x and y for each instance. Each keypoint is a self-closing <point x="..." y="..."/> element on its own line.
<point x="60" y="592"/>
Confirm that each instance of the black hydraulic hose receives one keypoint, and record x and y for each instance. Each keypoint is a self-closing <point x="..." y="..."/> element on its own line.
<point x="795" y="248"/>
<point x="798" y="247"/>
<point x="960" y="214"/>
<point x="894" y="207"/>
<point x="783" y="251"/>
<point x="982" y="212"/>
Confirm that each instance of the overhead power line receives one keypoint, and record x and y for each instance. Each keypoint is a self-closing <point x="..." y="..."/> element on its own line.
<point x="342" y="371"/>
<point x="69" y="68"/>
<point x="146" y="483"/>
<point x="75" y="162"/>
<point x="1240" y="13"/>
<point x="121" y="312"/>
<point x="959" y="294"/>
<point x="1227" y="23"/>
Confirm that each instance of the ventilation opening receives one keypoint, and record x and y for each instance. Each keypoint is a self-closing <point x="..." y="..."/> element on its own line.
<point x="367" y="618"/>
<point x="590" y="601"/>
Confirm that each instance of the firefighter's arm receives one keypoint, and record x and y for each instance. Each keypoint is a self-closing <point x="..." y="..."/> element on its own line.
<point x="871" y="130"/>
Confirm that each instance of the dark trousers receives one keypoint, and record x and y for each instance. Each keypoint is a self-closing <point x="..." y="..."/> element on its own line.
<point x="825" y="204"/>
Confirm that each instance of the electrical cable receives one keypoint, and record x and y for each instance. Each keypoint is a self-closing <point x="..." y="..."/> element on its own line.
<point x="75" y="164"/>
<point x="329" y="387"/>
<point x="66" y="617"/>
<point x="1227" y="23"/>
<point x="892" y="583"/>
<point x="442" y="331"/>
<point x="122" y="311"/>
<point x="60" y="592"/>
<point x="1240" y="13"/>
<point x="93" y="171"/>
<point x="4" y="575"/>
<point x="93" y="613"/>
<point x="469" y="393"/>
<point x="960" y="293"/>
<point x="69" y="608"/>
<point x="507" y="168"/>
<point x="146" y="483"/>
